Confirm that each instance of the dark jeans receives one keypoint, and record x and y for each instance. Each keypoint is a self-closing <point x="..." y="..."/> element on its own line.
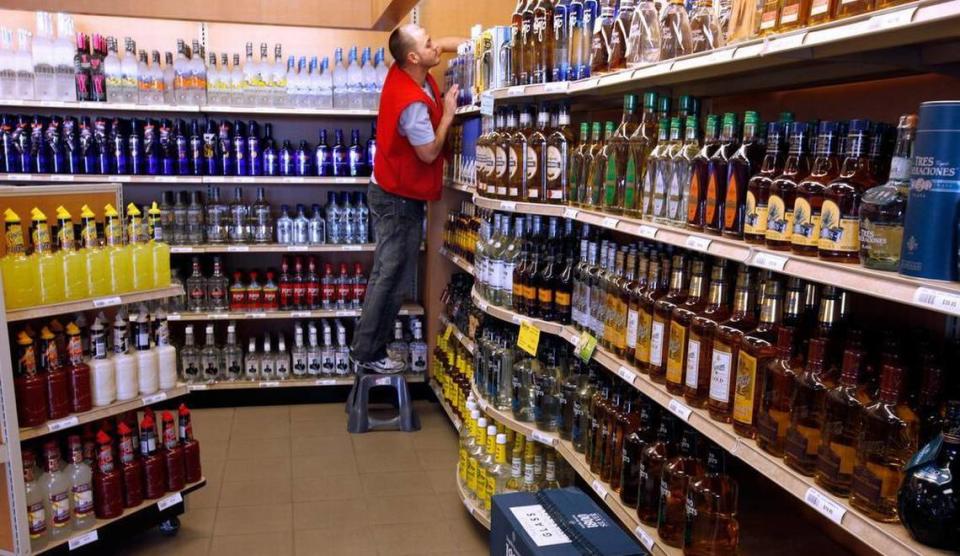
<point x="398" y="223"/>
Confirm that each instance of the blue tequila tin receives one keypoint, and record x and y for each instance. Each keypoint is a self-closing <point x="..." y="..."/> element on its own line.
<point x="930" y="231"/>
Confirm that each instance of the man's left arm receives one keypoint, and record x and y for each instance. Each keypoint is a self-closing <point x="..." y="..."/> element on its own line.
<point x="450" y="44"/>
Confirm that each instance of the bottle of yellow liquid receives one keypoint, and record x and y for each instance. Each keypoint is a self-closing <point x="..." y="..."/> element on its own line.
<point x="73" y="264"/>
<point x="141" y="254"/>
<point x="96" y="270"/>
<point x="160" y="248"/>
<point x="120" y="272"/>
<point x="49" y="264"/>
<point x="19" y="273"/>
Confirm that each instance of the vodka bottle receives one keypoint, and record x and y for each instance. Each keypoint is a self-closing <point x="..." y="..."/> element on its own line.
<point x="210" y="357"/>
<point x="317" y="227"/>
<point x="217" y="287"/>
<point x="325" y="90"/>
<point x="181" y="75"/>
<point x="35" y="498"/>
<point x="251" y="364"/>
<point x="43" y="69"/>
<point x="26" y="78"/>
<point x="328" y="365"/>
<point x="359" y="287"/>
<point x="354" y="81"/>
<point x="310" y="82"/>
<point x="333" y="219"/>
<point x="143" y="78"/>
<point x="217" y="218"/>
<point x="8" y="65"/>
<point x="213" y="90"/>
<point x="166" y="353"/>
<point x="148" y="369"/>
<point x="341" y="94"/>
<point x="129" y="73"/>
<point x="162" y="79"/>
<point x="381" y="73"/>
<point x="199" y="72"/>
<point x="398" y="350"/>
<point x="370" y="97"/>
<point x="296" y="86"/>
<point x="299" y="352"/>
<point x="62" y="52"/>
<point x="347" y="219"/>
<point x="238" y="229"/>
<point x="418" y="348"/>
<point x="314" y="353"/>
<point x="281" y="361"/>
<point x="112" y="68"/>
<point x="262" y="76"/>
<point x="250" y="74"/>
<point x="261" y="219"/>
<point x="301" y="227"/>
<point x="223" y="84"/>
<point x="341" y="353"/>
<point x="189" y="358"/>
<point x="238" y="83"/>
<point x="81" y="485"/>
<point x="232" y="355"/>
<point x="284" y="227"/>
<point x="278" y="77"/>
<point x="56" y="485"/>
<point x="361" y="217"/>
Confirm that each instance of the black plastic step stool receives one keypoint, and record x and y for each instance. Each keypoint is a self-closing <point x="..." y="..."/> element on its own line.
<point x="360" y="421"/>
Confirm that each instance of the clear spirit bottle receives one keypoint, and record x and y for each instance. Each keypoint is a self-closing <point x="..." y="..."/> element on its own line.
<point x="341" y="352"/>
<point x="418" y="348"/>
<point x="34" y="498"/>
<point x="217" y="287"/>
<point x="81" y="486"/>
<point x="210" y="355"/>
<point x="252" y="361"/>
<point x="299" y="352"/>
<point x="267" y="364"/>
<point x="232" y="355"/>
<point x="56" y="485"/>
<point x="196" y="289"/>
<point x="261" y="220"/>
<point x="314" y="355"/>
<point x="398" y="350"/>
<point x="281" y="361"/>
<point x="189" y="358"/>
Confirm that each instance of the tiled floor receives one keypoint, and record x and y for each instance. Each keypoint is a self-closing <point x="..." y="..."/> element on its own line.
<point x="291" y="480"/>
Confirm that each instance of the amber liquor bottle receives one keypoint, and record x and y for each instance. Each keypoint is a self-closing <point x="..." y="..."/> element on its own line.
<point x="777" y="386"/>
<point x="716" y="184"/>
<point x="636" y="291"/>
<point x="758" y="188"/>
<point x="656" y="288"/>
<point x="712" y="528"/>
<point x="600" y="46"/>
<point x="802" y="442"/>
<point x="676" y="476"/>
<point x="529" y="48"/>
<point x="703" y="329"/>
<point x="680" y="321"/>
<point x="611" y="449"/>
<point x="543" y="42"/>
<point x="769" y="14"/>
<point x="624" y="295"/>
<point x="558" y="156"/>
<point x="615" y="174"/>
<point x="599" y="408"/>
<point x="848" y="8"/>
<point x="757" y="350"/>
<point x="638" y="438"/>
<point x="502" y="150"/>
<point x="519" y="163"/>
<point x="662" y="313"/>
<point x="642" y="142"/>
<point x="809" y="201"/>
<point x="783" y="189"/>
<point x="821" y="11"/>
<point x="793" y="15"/>
<point x="516" y="43"/>
<point x="536" y="156"/>
<point x="628" y="420"/>
<point x="742" y="165"/>
<point x="652" y="460"/>
<point x="615" y="312"/>
<point x="887" y="441"/>
<point x="617" y="49"/>
<point x="843" y="414"/>
<point x="697" y="196"/>
<point x="726" y="347"/>
<point x="840" y="213"/>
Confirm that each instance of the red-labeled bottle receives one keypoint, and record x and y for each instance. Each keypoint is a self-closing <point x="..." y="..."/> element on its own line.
<point x="299" y="286"/>
<point x="81" y="398"/>
<point x="154" y="470"/>
<point x="130" y="467"/>
<point x="286" y="286"/>
<point x="238" y="293"/>
<point x="311" y="284"/>
<point x="30" y="385"/>
<point x="58" y="385"/>
<point x="344" y="288"/>
<point x="254" y="293"/>
<point x="172" y="454"/>
<point x="271" y="294"/>
<point x="107" y="481"/>
<point x="328" y="287"/>
<point x="191" y="448"/>
<point x="359" y="286"/>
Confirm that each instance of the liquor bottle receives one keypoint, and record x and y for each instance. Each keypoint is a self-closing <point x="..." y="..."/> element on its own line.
<point x="172" y="454"/>
<point x="856" y="7"/>
<point x="35" y="499"/>
<point x="314" y="357"/>
<point x="107" y="481"/>
<point x="842" y="423"/>
<point x="739" y="169"/>
<point x="340" y="156"/>
<point x="665" y="167"/>
<point x="191" y="448"/>
<point x="809" y="201"/>
<point x="619" y="33"/>
<point x="803" y="439"/>
<point x="232" y="356"/>
<point x="56" y="485"/>
<point x="267" y="361"/>
<point x="716" y="183"/>
<point x="588" y="23"/>
<point x="562" y="34"/>
<point x="642" y="142"/>
<point x="652" y="461"/>
<point x="655" y="289"/>
<point x="681" y="318"/>
<point x="653" y="194"/>
<point x="131" y="467"/>
<point x="615" y="309"/>
<point x="536" y="159"/>
<point x="251" y="363"/>
<point x="726" y="348"/>
<point x="543" y="43"/>
<point x="711" y="523"/>
<point x="216" y="217"/>
<point x="600" y="45"/>
<point x="887" y="440"/>
<point x="840" y="213"/>
<point x="398" y="350"/>
<point x="499" y="473"/>
<point x="675" y="478"/>
<point x="675" y="33"/>
<point x="882" y="208"/>
<point x="783" y="189"/>
<point x="281" y="361"/>
<point x="678" y="190"/>
<point x="639" y="432"/>
<point x="210" y="357"/>
<point x="154" y="473"/>
<point x="78" y="372"/>
<point x="757" y="351"/>
<point x="578" y="166"/>
<point x="601" y="169"/>
<point x="820" y="11"/>
<point x="217" y="286"/>
<point x="81" y="485"/>
<point x="617" y="174"/>
<point x="777" y="386"/>
<point x="417" y="348"/>
<point x="518" y="159"/>
<point x="559" y="144"/>
<point x="660" y="327"/>
<point x="194" y="224"/>
<point x="758" y="188"/>
<point x="705" y="31"/>
<point x="589" y="189"/>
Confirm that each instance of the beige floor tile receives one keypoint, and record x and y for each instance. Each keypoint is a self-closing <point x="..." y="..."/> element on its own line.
<point x="401" y="539"/>
<point x="382" y="460"/>
<point x="333" y="428"/>
<point x="208" y="496"/>
<point x="260" y="492"/>
<point x="327" y="487"/>
<point x="213" y="413"/>
<point x="320" y="465"/>
<point x="254" y="469"/>
<point x="443" y="481"/>
<point x="468" y="532"/>
<point x="317" y="445"/>
<point x="383" y="440"/>
<point x="262" y="412"/>
<point x="212" y="448"/>
<point x="330" y="513"/>
<point x="197" y="522"/>
<point x="249" y="448"/>
<point x="317" y="412"/>
<point x="247" y="520"/>
<point x="274" y="543"/>
<point x="354" y="540"/>
<point x="152" y="543"/>
<point x="396" y="483"/>
<point x="268" y="428"/>
<point x="434" y="439"/>
<point x="385" y="510"/>
<point x="438" y="460"/>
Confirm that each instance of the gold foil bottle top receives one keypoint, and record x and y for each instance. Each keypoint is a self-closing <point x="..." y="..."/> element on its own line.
<point x="11" y="217"/>
<point x="86" y="213"/>
<point x="72" y="329"/>
<point x="23" y="338"/>
<point x="46" y="334"/>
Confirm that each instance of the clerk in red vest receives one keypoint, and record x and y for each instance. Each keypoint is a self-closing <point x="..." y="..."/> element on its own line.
<point x="408" y="171"/>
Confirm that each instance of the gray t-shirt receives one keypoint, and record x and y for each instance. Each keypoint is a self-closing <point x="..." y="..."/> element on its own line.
<point x="415" y="122"/>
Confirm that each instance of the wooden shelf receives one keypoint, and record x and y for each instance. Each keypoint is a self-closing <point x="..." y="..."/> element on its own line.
<point x="465" y="341"/>
<point x="286" y="180"/>
<point x="97" y="413"/>
<point x="939" y="296"/>
<point x="46" y="311"/>
<point x="271" y="248"/>
<point x="188" y="108"/>
<point x="462" y="187"/>
<point x="289" y="111"/>
<point x="407" y="309"/>
<point x="289" y="383"/>
<point x="478" y="513"/>
<point x="445" y="405"/>
<point x="185" y="180"/>
<point x="457" y="260"/>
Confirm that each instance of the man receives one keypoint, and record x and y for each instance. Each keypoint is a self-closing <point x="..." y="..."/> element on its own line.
<point x="408" y="171"/>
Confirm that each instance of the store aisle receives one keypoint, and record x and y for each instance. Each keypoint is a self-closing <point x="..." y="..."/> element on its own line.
<point x="291" y="480"/>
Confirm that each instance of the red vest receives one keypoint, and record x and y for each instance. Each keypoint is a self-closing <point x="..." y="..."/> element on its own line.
<point x="397" y="167"/>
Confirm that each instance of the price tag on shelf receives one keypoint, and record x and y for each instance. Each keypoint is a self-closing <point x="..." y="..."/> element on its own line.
<point x="784" y="43"/>
<point x="938" y="300"/>
<point x="181" y="249"/>
<point x="353" y="247"/>
<point x="107" y="302"/>
<point x="519" y="90"/>
<point x="260" y="315"/>
<point x="599" y="489"/>
<point x="482" y="305"/>
<point x="508" y="205"/>
<point x="326" y="382"/>
<point x="825" y="505"/>
<point x="698" y="243"/>
<point x="529" y="338"/>
<point x="269" y="384"/>
<point x="199" y="387"/>
<point x="570" y="213"/>
<point x="83" y="540"/>
<point x="166" y="179"/>
<point x="61" y="177"/>
<point x="171" y="500"/>
<point x="174" y="316"/>
<point x="61" y="424"/>
<point x="350" y="313"/>
<point x="895" y="18"/>
<point x="556" y="87"/>
<point x="238" y="248"/>
<point x="297" y="248"/>
<point x="647" y="231"/>
<point x="301" y="314"/>
<point x="610" y="222"/>
<point x="586" y="345"/>
<point x="345" y="180"/>
<point x="486" y="104"/>
<point x="770" y="261"/>
<point x="219" y="316"/>
<point x="118" y="178"/>
<point x="626" y="374"/>
<point x="244" y="180"/>
<point x="645" y="539"/>
<point x="679" y="409"/>
<point x="154" y="398"/>
<point x="542" y="437"/>
<point x="292" y="180"/>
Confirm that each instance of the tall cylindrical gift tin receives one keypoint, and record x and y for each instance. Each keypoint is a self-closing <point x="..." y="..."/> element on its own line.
<point x="930" y="232"/>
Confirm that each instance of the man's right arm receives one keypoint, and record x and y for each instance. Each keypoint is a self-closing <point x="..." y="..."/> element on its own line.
<point x="429" y="152"/>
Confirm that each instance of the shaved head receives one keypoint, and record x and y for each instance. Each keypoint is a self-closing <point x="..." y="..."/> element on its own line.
<point x="410" y="45"/>
<point x="402" y="42"/>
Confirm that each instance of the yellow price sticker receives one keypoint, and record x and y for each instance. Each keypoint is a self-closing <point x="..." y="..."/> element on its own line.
<point x="448" y="332"/>
<point x="529" y="338"/>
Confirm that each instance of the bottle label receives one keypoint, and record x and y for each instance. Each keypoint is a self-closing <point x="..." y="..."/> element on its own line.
<point x="37" y="519"/>
<point x="656" y="343"/>
<point x="633" y="321"/>
<point x="721" y="367"/>
<point x="513" y="162"/>
<point x="82" y="500"/>
<point x="881" y="241"/>
<point x="838" y="232"/>
<point x="60" y="509"/>
<point x="779" y="224"/>
<point x="744" y="398"/>
<point x="769" y="19"/>
<point x="643" y="337"/>
<point x="678" y="338"/>
<point x="629" y="193"/>
<point x="562" y="301"/>
<point x="693" y="200"/>
<point x="610" y="183"/>
<point x="472" y="474"/>
<point x="500" y="163"/>
<point x="732" y="206"/>
<point x="693" y="363"/>
<point x="789" y="13"/>
<point x="799" y="446"/>
<point x="819" y="7"/>
<point x="532" y="162"/>
<point x="835" y="462"/>
<point x="555" y="163"/>
<point x="806" y="224"/>
<point x="713" y="201"/>
<point x="754" y="221"/>
<point x="868" y="487"/>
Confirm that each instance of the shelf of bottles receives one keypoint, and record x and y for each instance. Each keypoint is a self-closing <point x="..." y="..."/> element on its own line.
<point x="235" y="180"/>
<point x="438" y="392"/>
<point x="28" y="313"/>
<point x="457" y="260"/>
<point x="466" y="342"/>
<point x="411" y="378"/>
<point x="271" y="248"/>
<point x="481" y="515"/>
<point x="409" y="309"/>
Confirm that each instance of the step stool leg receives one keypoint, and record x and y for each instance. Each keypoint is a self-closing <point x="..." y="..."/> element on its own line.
<point x="359" y="421"/>
<point x="409" y="421"/>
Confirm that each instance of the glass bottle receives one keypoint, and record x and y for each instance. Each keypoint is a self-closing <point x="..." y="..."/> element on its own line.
<point x="711" y="526"/>
<point x="757" y="349"/>
<point x="617" y="59"/>
<point x="652" y="460"/>
<point x="643" y="41"/>
<point x="615" y="175"/>
<point x="840" y="213"/>
<point x="776" y="392"/>
<point x="232" y="355"/>
<point x="585" y="186"/>
<point x="578" y="167"/>
<point x="217" y="286"/>
<point x="664" y="170"/>
<point x="678" y="191"/>
<point x="543" y="42"/>
<point x="793" y="15"/>
<point x="210" y="361"/>
<point x="650" y="188"/>
<point x="740" y="167"/>
<point x="600" y="47"/>
<point x="697" y="188"/>
<point x="56" y="485"/>
<point x="703" y="329"/>
<point x="680" y="321"/>
<point x="783" y="189"/>
<point x="716" y="174"/>
<point x="189" y="358"/>
<point x="598" y="169"/>
<point x="518" y="159"/>
<point x="675" y="478"/>
<point x="642" y="142"/>
<point x="529" y="46"/>
<point x="516" y="40"/>
<point x="842" y="422"/>
<point x="848" y="8"/>
<point x="196" y="288"/>
<point x="536" y="159"/>
<point x="676" y="38"/>
<point x="821" y="11"/>
<point x="81" y="485"/>
<point x="705" y="31"/>
<point x="726" y="347"/>
<point x="34" y="497"/>
<point x="882" y="208"/>
<point x="661" y="326"/>
<point x="641" y="434"/>
<point x="655" y="289"/>
<point x="558" y="167"/>
<point x="809" y="201"/>
<point x="768" y="14"/>
<point x="758" y="188"/>
<point x="803" y="440"/>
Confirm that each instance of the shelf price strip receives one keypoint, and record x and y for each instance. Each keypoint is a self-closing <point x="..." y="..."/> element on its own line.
<point x="154" y="398"/>
<point x="938" y="300"/>
<point x="83" y="540"/>
<point x="644" y="537"/>
<point x="599" y="489"/>
<point x="823" y="504"/>
<point x="679" y="409"/>
<point x="542" y="438"/>
<point x="171" y="500"/>
<point x="63" y="424"/>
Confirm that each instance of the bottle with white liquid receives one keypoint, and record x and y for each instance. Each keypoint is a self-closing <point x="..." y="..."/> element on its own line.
<point x="102" y="369"/>
<point x="354" y="82"/>
<point x="44" y="72"/>
<point x="341" y="95"/>
<point x="252" y="362"/>
<point x="266" y="361"/>
<point x="148" y="367"/>
<point x="166" y="353"/>
<point x="314" y="355"/>
<point x="128" y="384"/>
<point x="81" y="485"/>
<point x="26" y="79"/>
<point x="63" y="51"/>
<point x="8" y="65"/>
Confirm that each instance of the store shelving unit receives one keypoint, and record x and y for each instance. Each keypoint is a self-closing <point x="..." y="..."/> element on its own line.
<point x="454" y="420"/>
<point x="463" y="187"/>
<point x="187" y="108"/>
<point x="409" y="309"/>
<point x="186" y="180"/>
<point x="93" y="303"/>
<point x="478" y="513"/>
<point x="464" y="264"/>
<point x="272" y="248"/>
<point x="466" y="342"/>
<point x="291" y="383"/>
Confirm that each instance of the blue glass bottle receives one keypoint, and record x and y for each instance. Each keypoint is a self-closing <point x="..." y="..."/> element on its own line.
<point x="210" y="148"/>
<point x="371" y="149"/>
<point x="341" y="158"/>
<point x="357" y="155"/>
<point x="196" y="149"/>
<point x="286" y="159"/>
<point x="21" y="143"/>
<point x="70" y="155"/>
<point x="151" y="148"/>
<point x="87" y="147"/>
<point x="302" y="159"/>
<point x="135" y="149"/>
<point x="54" y="144"/>
<point x="271" y="159"/>
<point x="38" y="148"/>
<point x="8" y="154"/>
<point x="324" y="156"/>
<point x="255" y="163"/>
<point x="591" y="9"/>
<point x="181" y="147"/>
<point x="240" y="160"/>
<point x="103" y="147"/>
<point x="166" y="148"/>
<point x="226" y="149"/>
<point x="118" y="143"/>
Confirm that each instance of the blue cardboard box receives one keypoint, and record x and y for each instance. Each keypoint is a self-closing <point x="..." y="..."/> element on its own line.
<point x="556" y="522"/>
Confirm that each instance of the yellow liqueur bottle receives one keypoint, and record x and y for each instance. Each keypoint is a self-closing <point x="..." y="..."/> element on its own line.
<point x="159" y="248"/>
<point x="141" y="255"/>
<point x="48" y="265"/>
<point x="72" y="261"/>
<point x="96" y="266"/>
<point x="19" y="286"/>
<point x="120" y="272"/>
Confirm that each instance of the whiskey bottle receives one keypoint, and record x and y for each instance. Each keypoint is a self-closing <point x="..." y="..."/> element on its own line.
<point x="543" y="42"/>
<point x="848" y="8"/>
<point x="650" y="468"/>
<point x="580" y="431"/>
<point x="601" y="309"/>
<point x="518" y="159"/>
<point x="802" y="442"/>
<point x="726" y="347"/>
<point x="840" y="213"/>
<point x="599" y="405"/>
<point x="758" y="188"/>
<point x="661" y="327"/>
<point x="842" y="422"/>
<point x="600" y="47"/>
<point x="793" y="15"/>
<point x="562" y="292"/>
<point x="783" y="189"/>
<point x="675" y="35"/>
<point x="610" y="445"/>
<point x="716" y="183"/>
<point x="697" y="189"/>
<point x="809" y="200"/>
<point x="599" y="169"/>
<point x="740" y="167"/>
<point x="638" y="437"/>
<point x="516" y="44"/>
<point x="706" y="33"/>
<point x="617" y="306"/>
<point x="776" y="392"/>
<point x="502" y="169"/>
<point x="711" y="527"/>
<point x="536" y="159"/>
<point x="678" y="334"/>
<point x="757" y="350"/>
<point x="617" y="58"/>
<point x="821" y="11"/>
<point x="703" y="329"/>
<point x="769" y="15"/>
<point x="628" y="420"/>
<point x="616" y="172"/>
<point x="642" y="142"/>
<point x="675" y="478"/>
<point x="627" y="316"/>
<point x="656" y="288"/>
<point x="578" y="166"/>
<point x="887" y="440"/>
<point x="588" y="190"/>
<point x="557" y="170"/>
<point x="635" y="292"/>
<point x="678" y="191"/>
<point x="529" y="40"/>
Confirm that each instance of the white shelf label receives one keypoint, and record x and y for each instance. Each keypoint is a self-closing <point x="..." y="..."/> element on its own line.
<point x="351" y="248"/>
<point x="218" y="316"/>
<point x="83" y="540"/>
<point x="297" y="248"/>
<point x="61" y="424"/>
<point x="482" y="305"/>
<point x="610" y="222"/>
<point x="486" y="104"/>
<point x="698" y="243"/>
<point x="770" y="261"/>
<point x="570" y="213"/>
<point x="599" y="489"/>
<point x="171" y="500"/>
<point x="256" y="315"/>
<point x="238" y="248"/>
<point x="244" y="180"/>
<point x="895" y="18"/>
<point x="343" y="313"/>
<point x="345" y="180"/>
<point x="181" y="249"/>
<point x="107" y="302"/>
<point x="823" y="504"/>
<point x="556" y="87"/>
<point x="166" y="179"/>
<point x="626" y="374"/>
<point x="300" y="314"/>
<point x="539" y="526"/>
<point x="783" y="43"/>
<point x="174" y="316"/>
<point x="199" y="386"/>
<point x="517" y="319"/>
<point x="269" y="384"/>
<point x="938" y="300"/>
<point x="647" y="231"/>
<point x="645" y="539"/>
<point x="118" y="178"/>
<point x="154" y="398"/>
<point x="679" y="409"/>
<point x="542" y="438"/>
<point x="61" y="177"/>
<point x="516" y="91"/>
<point x="508" y="205"/>
<point x="326" y="382"/>
<point x="292" y="180"/>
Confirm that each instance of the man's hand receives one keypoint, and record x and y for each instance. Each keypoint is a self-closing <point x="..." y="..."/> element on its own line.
<point x="450" y="101"/>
